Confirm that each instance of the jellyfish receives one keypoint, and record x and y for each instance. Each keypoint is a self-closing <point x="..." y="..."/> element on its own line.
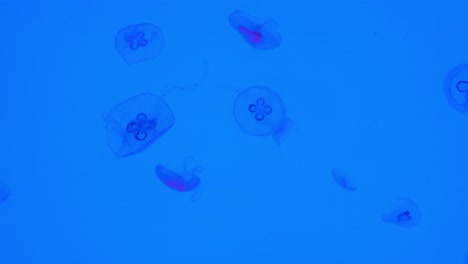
<point x="139" y="42"/>
<point x="186" y="180"/>
<point x="136" y="123"/>
<point x="260" y="111"/>
<point x="343" y="180"/>
<point x="456" y="88"/>
<point x="258" y="34"/>
<point x="403" y="212"/>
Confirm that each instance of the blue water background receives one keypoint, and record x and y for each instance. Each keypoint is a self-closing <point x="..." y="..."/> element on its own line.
<point x="362" y="80"/>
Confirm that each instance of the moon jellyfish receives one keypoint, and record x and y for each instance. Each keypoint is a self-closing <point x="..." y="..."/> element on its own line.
<point x="343" y="180"/>
<point x="136" y="123"/>
<point x="403" y="212"/>
<point x="456" y="88"/>
<point x="139" y="42"/>
<point x="260" y="111"/>
<point x="261" y="35"/>
<point x="183" y="181"/>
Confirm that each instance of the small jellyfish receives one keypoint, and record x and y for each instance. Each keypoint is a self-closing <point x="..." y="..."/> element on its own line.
<point x="260" y="111"/>
<point x="403" y="212"/>
<point x="343" y="180"/>
<point x="139" y="42"/>
<point x="4" y="193"/>
<point x="136" y="123"/>
<point x="258" y="34"/>
<point x="456" y="88"/>
<point x="182" y="181"/>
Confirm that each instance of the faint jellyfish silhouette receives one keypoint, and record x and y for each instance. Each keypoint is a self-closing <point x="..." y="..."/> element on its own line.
<point x="456" y="88"/>
<point x="136" y="123"/>
<point x="262" y="35"/>
<point x="343" y="179"/>
<point x="139" y="42"/>
<point x="260" y="111"/>
<point x="186" y="180"/>
<point x="5" y="192"/>
<point x="403" y="212"/>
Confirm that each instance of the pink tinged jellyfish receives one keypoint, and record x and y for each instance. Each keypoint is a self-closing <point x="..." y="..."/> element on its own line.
<point x="184" y="181"/>
<point x="343" y="180"/>
<point x="261" y="35"/>
<point x="136" y="123"/>
<point x="139" y="42"/>
<point x="260" y="111"/>
<point x="403" y="212"/>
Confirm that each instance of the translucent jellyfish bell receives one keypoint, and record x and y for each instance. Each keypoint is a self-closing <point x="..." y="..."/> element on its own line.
<point x="186" y="180"/>
<point x="136" y="123"/>
<point x="343" y="180"/>
<point x="456" y="88"/>
<point x="262" y="35"/>
<point x="139" y="42"/>
<point x="260" y="111"/>
<point x="403" y="212"/>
